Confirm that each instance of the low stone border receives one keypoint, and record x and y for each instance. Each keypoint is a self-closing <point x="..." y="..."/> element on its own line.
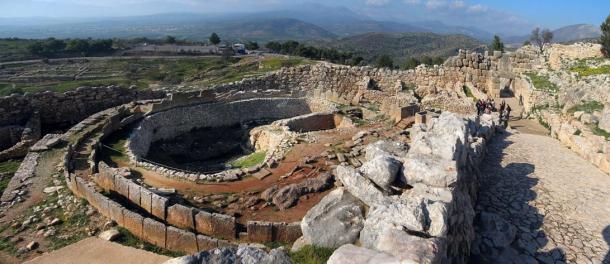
<point x="172" y="226"/>
<point x="18" y="184"/>
<point x="593" y="148"/>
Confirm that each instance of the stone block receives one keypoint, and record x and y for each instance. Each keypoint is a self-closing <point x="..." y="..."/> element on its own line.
<point x="181" y="241"/>
<point x="116" y="212"/>
<point x="133" y="222"/>
<point x="206" y="242"/>
<point x="286" y="232"/>
<point x="158" y="206"/>
<point x="181" y="216"/>
<point x="259" y="231"/>
<point x="154" y="232"/>
<point x="146" y="199"/>
<point x="105" y="176"/>
<point x="102" y="202"/>
<point x="122" y="186"/>
<point x="134" y="193"/>
<point x="217" y="225"/>
<point x="420" y="117"/>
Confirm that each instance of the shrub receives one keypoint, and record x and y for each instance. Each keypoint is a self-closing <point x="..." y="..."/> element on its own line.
<point x="542" y="82"/>
<point x="311" y="255"/>
<point x="588" y="107"/>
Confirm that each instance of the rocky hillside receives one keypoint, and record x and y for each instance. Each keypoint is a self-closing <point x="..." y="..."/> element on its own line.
<point x="576" y="32"/>
<point x="401" y="46"/>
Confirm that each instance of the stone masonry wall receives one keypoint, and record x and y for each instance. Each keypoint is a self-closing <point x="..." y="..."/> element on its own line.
<point x="430" y="223"/>
<point x="59" y="109"/>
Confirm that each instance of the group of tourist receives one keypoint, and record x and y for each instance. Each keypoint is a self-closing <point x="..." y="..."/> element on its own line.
<point x="488" y="106"/>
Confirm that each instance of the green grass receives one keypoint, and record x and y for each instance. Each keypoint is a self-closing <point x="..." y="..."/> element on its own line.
<point x="543" y="123"/>
<point x="128" y="239"/>
<point x="584" y="70"/>
<point x="542" y="82"/>
<point x="469" y="93"/>
<point x="12" y="50"/>
<point x="249" y="160"/>
<point x="599" y="132"/>
<point x="200" y="72"/>
<point x="73" y="224"/>
<point x="9" y="166"/>
<point x="117" y="142"/>
<point x="5" y="244"/>
<point x="588" y="107"/>
<point x="311" y="255"/>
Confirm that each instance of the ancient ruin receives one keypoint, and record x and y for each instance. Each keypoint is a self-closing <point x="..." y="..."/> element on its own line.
<point x="381" y="165"/>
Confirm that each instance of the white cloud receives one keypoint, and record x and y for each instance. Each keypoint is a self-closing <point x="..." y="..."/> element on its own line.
<point x="457" y="4"/>
<point x="478" y="8"/>
<point x="412" y="2"/>
<point x="377" y="2"/>
<point x="435" y="4"/>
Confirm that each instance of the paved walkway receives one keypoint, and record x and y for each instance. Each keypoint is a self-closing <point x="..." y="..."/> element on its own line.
<point x="559" y="202"/>
<point x="97" y="251"/>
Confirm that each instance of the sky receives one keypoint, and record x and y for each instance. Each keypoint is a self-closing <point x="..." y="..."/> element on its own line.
<point x="496" y="16"/>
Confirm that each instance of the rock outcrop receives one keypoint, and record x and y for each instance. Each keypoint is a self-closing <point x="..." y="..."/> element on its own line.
<point x="242" y="254"/>
<point x="432" y="220"/>
<point x="335" y="221"/>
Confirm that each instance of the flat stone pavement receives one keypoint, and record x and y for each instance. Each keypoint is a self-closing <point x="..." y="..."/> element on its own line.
<point x="97" y="251"/>
<point x="558" y="202"/>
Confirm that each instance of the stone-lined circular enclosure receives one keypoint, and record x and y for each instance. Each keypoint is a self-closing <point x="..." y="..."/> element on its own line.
<point x="168" y="124"/>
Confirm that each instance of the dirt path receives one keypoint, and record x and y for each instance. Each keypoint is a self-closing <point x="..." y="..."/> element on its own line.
<point x="558" y="202"/>
<point x="96" y="251"/>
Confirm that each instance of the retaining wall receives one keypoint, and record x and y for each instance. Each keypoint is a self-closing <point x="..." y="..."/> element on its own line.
<point x="60" y="109"/>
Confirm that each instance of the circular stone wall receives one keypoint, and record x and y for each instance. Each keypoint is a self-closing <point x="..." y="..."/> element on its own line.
<point x="171" y="123"/>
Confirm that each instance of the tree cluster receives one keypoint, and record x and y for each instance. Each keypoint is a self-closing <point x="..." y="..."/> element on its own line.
<point x="605" y="38"/>
<point x="292" y="47"/>
<point x="540" y="38"/>
<point x="497" y="44"/>
<point x="52" y="47"/>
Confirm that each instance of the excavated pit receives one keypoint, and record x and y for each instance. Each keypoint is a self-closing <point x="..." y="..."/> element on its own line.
<point x="207" y="149"/>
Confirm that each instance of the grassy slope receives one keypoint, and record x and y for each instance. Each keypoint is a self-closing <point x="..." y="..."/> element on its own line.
<point x="142" y="73"/>
<point x="584" y="70"/>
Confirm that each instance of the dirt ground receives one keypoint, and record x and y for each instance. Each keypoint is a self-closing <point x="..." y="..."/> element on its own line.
<point x="97" y="251"/>
<point x="251" y="187"/>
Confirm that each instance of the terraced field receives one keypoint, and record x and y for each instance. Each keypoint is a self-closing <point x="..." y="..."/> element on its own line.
<point x="157" y="72"/>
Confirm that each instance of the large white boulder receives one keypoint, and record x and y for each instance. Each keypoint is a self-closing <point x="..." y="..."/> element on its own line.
<point x="429" y="169"/>
<point x="604" y="121"/>
<point x="350" y="254"/>
<point x="335" y="221"/>
<point x="408" y="215"/>
<point x="361" y="187"/>
<point x="411" y="249"/>
<point x="385" y="148"/>
<point x="382" y="170"/>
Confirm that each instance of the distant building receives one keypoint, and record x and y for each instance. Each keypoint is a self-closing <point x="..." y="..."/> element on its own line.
<point x="239" y="48"/>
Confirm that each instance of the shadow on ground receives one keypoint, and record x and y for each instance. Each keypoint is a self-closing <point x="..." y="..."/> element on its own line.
<point x="504" y="196"/>
<point x="606" y="235"/>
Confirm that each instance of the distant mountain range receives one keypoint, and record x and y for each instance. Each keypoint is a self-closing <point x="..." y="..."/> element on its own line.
<point x="316" y="24"/>
<point x="572" y="33"/>
<point x="308" y="21"/>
